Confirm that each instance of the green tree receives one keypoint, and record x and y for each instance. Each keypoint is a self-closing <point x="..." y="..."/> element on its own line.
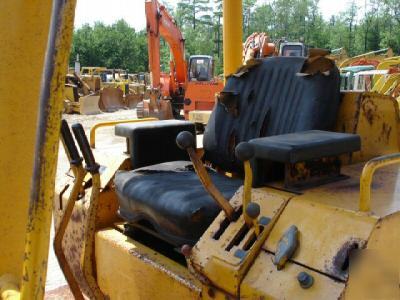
<point x="115" y="46"/>
<point x="217" y="20"/>
<point x="193" y="12"/>
<point x="248" y="9"/>
<point x="263" y="19"/>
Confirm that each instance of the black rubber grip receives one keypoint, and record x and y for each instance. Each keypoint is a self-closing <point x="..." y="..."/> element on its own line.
<point x="69" y="142"/>
<point x="80" y="136"/>
<point x="244" y="151"/>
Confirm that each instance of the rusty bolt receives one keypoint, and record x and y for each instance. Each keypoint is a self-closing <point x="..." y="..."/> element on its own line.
<point x="211" y="293"/>
<point x="305" y="280"/>
<point x="186" y="250"/>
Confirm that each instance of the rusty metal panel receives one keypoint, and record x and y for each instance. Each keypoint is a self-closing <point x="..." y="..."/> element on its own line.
<point x="346" y="193"/>
<point x="380" y="264"/>
<point x="348" y="112"/>
<point x="375" y="117"/>
<point x="127" y="269"/>
<point x="106" y="214"/>
<point x="215" y="255"/>
<point x="327" y="234"/>
<point x="264" y="282"/>
<point x="378" y="126"/>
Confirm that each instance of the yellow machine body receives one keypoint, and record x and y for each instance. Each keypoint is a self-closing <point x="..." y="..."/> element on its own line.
<point x="359" y="212"/>
<point x="329" y="219"/>
<point x="92" y="70"/>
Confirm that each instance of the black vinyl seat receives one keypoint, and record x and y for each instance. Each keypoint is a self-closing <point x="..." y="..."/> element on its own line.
<point x="269" y="99"/>
<point x="180" y="208"/>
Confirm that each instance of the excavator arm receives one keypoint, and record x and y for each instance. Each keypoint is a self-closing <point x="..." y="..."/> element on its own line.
<point x="161" y="24"/>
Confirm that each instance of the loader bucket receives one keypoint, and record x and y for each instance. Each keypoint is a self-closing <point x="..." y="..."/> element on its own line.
<point x="111" y="99"/>
<point x="89" y="105"/>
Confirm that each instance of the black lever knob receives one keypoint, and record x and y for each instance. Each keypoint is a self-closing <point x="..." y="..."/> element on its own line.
<point x="185" y="140"/>
<point x="244" y="151"/>
<point x="87" y="153"/>
<point x="69" y="142"/>
<point x="253" y="210"/>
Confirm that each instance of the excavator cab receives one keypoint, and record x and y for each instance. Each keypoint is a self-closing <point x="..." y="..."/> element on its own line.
<point x="293" y="49"/>
<point x="201" y="68"/>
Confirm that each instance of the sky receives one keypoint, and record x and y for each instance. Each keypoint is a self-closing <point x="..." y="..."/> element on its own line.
<point x="132" y="11"/>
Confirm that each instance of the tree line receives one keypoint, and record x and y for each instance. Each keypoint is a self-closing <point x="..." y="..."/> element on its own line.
<point x="120" y="46"/>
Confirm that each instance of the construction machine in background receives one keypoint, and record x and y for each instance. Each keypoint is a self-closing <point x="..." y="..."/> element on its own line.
<point x="182" y="89"/>
<point x="380" y="75"/>
<point x="294" y="194"/>
<point x="370" y="58"/>
<point x="97" y="89"/>
<point x="338" y="55"/>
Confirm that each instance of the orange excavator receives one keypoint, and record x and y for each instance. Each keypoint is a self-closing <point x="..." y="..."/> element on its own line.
<point x="182" y="88"/>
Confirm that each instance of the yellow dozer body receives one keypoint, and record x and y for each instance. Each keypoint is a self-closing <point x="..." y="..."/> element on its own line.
<point x="298" y="198"/>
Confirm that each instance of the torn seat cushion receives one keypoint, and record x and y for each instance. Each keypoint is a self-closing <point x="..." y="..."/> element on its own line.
<point x="171" y="198"/>
<point x="269" y="99"/>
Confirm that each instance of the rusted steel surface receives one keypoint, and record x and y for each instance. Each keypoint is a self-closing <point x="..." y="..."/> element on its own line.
<point x="312" y="173"/>
<point x="60" y="232"/>
<point x="375" y="118"/>
<point x="326" y="235"/>
<point x="47" y="142"/>
<point x="106" y="215"/>
<point x="339" y="265"/>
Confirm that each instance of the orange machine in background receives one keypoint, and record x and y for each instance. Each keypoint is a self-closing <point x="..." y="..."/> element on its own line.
<point x="201" y="86"/>
<point x="181" y="88"/>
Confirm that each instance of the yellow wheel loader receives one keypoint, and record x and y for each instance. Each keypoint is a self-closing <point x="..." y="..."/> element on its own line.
<point x="293" y="193"/>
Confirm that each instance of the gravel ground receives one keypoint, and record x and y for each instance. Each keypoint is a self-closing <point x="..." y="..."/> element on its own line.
<point x="56" y="286"/>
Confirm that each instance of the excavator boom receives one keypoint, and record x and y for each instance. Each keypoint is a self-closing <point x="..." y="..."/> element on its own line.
<point x="161" y="24"/>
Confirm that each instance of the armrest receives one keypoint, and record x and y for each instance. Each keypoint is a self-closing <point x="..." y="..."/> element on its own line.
<point x="301" y="159"/>
<point x="305" y="145"/>
<point x="153" y="142"/>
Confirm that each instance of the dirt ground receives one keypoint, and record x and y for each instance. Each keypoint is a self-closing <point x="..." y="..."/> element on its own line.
<point x="56" y="286"/>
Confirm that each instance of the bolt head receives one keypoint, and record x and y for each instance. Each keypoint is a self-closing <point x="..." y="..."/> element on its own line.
<point x="186" y="250"/>
<point x="305" y="280"/>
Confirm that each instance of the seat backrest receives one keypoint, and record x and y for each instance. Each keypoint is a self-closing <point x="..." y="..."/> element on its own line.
<point x="271" y="98"/>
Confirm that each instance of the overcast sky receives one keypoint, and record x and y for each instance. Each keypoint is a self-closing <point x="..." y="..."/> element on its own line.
<point x="132" y="11"/>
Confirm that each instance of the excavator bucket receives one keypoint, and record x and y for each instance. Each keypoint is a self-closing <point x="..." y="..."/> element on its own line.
<point x="111" y="99"/>
<point x="132" y="100"/>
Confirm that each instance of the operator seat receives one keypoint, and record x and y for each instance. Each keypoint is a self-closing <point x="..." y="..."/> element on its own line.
<point x="265" y="100"/>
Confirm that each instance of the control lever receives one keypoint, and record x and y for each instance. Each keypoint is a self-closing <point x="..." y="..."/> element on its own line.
<point x="185" y="140"/>
<point x="92" y="167"/>
<point x="69" y="144"/>
<point x="75" y="161"/>
<point x="244" y="152"/>
<point x="80" y="136"/>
